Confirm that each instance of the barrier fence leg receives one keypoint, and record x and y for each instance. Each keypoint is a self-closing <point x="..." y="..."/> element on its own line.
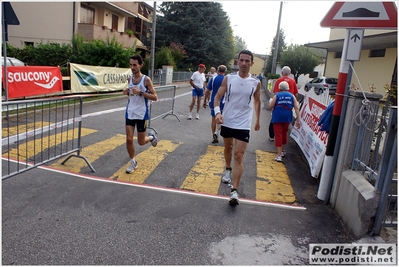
<point x="79" y="140"/>
<point x="82" y="157"/>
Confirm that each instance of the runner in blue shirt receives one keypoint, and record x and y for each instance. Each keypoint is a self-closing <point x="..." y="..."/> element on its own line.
<point x="212" y="88"/>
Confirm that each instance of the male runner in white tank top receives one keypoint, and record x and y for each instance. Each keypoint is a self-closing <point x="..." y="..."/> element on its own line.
<point x="140" y="90"/>
<point x="242" y="96"/>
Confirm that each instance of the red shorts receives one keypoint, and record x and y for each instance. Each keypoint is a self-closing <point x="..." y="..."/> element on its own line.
<point x="280" y="133"/>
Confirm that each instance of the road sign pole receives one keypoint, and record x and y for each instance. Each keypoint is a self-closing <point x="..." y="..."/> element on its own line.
<point x="327" y="174"/>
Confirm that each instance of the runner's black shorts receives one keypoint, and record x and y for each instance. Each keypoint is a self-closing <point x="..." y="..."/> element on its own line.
<point x="141" y="124"/>
<point x="239" y="134"/>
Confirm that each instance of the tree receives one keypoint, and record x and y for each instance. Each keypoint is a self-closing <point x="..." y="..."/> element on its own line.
<point x="281" y="46"/>
<point x="202" y="28"/>
<point x="301" y="60"/>
<point x="178" y="54"/>
<point x="239" y="44"/>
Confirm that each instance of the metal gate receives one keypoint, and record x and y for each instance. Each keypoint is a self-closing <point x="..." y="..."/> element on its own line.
<point x="37" y="131"/>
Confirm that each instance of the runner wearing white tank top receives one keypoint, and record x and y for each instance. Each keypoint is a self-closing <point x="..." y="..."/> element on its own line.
<point x="242" y="97"/>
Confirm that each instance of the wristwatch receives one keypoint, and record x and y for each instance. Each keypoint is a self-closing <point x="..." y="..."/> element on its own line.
<point x="141" y="93"/>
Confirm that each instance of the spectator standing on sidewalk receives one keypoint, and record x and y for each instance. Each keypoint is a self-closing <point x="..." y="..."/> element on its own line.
<point x="212" y="88"/>
<point x="197" y="82"/>
<point x="293" y="88"/>
<point x="140" y="90"/>
<point x="282" y="104"/>
<point x="242" y="97"/>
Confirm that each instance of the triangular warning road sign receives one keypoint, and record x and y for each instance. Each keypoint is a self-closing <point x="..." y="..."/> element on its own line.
<point x="381" y="15"/>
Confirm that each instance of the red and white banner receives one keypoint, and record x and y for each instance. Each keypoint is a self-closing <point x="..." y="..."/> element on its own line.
<point x="310" y="139"/>
<point x="32" y="80"/>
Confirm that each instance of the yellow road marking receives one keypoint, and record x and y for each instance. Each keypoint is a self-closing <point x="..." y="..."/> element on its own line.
<point x="147" y="160"/>
<point x="22" y="128"/>
<point x="275" y="185"/>
<point x="34" y="147"/>
<point x="92" y="153"/>
<point x="205" y="176"/>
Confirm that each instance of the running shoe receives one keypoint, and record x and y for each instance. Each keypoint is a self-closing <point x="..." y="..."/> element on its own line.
<point x="271" y="138"/>
<point x="283" y="153"/>
<point x="132" y="166"/>
<point x="215" y="139"/>
<point x="234" y="198"/>
<point x="197" y="116"/>
<point x="226" y="178"/>
<point x="189" y="116"/>
<point x="154" y="140"/>
<point x="279" y="158"/>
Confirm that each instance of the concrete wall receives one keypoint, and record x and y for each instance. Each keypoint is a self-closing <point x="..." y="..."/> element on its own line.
<point x="37" y="23"/>
<point x="356" y="203"/>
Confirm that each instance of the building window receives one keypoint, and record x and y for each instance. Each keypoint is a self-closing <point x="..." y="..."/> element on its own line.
<point x="377" y="53"/>
<point x="29" y="43"/>
<point x="86" y="14"/>
<point x="338" y="55"/>
<point x="115" y="22"/>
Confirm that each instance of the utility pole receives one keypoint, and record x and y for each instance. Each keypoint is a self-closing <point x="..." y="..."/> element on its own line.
<point x="275" y="50"/>
<point x="154" y="22"/>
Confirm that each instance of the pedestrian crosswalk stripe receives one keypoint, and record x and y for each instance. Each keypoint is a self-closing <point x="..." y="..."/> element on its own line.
<point x="29" y="149"/>
<point x="205" y="176"/>
<point x="274" y="184"/>
<point x="92" y="153"/>
<point x="10" y="131"/>
<point x="147" y="161"/>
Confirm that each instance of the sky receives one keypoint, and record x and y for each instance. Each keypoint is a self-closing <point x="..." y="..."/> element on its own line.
<point x="256" y="21"/>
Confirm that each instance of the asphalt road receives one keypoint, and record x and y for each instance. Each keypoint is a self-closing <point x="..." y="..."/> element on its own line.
<point x="53" y="217"/>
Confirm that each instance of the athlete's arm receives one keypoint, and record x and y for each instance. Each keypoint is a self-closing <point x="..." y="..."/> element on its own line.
<point x="257" y="107"/>
<point x="152" y="95"/>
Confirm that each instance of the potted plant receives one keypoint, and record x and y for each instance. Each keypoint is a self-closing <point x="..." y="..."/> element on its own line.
<point x="129" y="32"/>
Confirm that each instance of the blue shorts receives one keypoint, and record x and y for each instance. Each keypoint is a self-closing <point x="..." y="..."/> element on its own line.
<point x="242" y="135"/>
<point x="198" y="92"/>
<point x="212" y="111"/>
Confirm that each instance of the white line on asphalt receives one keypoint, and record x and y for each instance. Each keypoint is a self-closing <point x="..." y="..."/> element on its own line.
<point x="165" y="189"/>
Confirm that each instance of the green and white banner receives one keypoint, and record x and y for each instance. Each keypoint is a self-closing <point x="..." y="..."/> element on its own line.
<point x="88" y="79"/>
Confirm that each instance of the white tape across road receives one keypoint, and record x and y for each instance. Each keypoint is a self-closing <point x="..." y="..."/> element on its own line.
<point x="31" y="133"/>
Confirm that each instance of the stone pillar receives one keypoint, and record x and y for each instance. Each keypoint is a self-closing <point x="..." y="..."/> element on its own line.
<point x="168" y="74"/>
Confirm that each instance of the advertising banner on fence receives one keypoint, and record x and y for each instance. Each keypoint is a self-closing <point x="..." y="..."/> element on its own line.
<point x="310" y="139"/>
<point x="32" y="80"/>
<point x="86" y="79"/>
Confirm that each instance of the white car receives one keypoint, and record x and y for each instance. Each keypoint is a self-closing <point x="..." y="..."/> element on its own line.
<point x="320" y="84"/>
<point x="12" y="62"/>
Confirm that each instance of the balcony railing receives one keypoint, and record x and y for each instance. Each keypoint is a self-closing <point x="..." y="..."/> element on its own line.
<point x="92" y="31"/>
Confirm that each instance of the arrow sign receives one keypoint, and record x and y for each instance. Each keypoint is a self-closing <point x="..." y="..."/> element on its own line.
<point x="354" y="37"/>
<point x="354" y="46"/>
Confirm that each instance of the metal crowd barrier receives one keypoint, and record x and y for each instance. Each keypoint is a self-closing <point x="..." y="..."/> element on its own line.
<point x="35" y="132"/>
<point x="165" y="104"/>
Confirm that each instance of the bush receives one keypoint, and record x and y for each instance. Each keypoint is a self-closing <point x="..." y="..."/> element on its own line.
<point x="164" y="57"/>
<point x="271" y="76"/>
